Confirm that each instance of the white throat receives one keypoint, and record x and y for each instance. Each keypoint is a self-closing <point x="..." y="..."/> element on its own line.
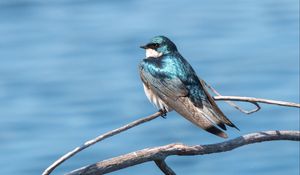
<point x="152" y="53"/>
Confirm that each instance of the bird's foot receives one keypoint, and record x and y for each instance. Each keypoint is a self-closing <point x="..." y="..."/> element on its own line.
<point x="163" y="113"/>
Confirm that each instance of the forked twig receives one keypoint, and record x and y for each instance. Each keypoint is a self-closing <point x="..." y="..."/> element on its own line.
<point x="162" y="165"/>
<point x="233" y="104"/>
<point x="162" y="152"/>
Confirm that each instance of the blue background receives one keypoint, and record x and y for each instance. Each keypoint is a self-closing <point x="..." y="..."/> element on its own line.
<point x="68" y="72"/>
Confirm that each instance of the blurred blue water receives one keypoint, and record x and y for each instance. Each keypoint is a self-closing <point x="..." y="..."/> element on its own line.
<point x="68" y="72"/>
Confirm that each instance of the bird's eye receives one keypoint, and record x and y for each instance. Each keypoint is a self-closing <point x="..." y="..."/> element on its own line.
<point x="153" y="45"/>
<point x="156" y="45"/>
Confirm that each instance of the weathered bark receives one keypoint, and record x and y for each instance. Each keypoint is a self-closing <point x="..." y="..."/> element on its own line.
<point x="228" y="99"/>
<point x="160" y="153"/>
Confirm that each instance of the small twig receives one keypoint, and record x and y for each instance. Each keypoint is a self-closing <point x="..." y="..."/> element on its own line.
<point x="257" y="100"/>
<point x="162" y="165"/>
<point x="231" y="103"/>
<point x="161" y="152"/>
<point x="99" y="138"/>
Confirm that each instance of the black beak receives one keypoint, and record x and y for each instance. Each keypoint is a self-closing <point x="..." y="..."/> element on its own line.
<point x="144" y="46"/>
<point x="150" y="46"/>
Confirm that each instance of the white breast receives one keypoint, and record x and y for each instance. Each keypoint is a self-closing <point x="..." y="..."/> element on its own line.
<point x="154" y="99"/>
<point x="152" y="53"/>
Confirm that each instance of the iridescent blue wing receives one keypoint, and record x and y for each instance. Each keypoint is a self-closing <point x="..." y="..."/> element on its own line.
<point x="172" y="88"/>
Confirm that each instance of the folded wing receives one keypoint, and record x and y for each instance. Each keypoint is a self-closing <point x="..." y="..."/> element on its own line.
<point x="176" y="95"/>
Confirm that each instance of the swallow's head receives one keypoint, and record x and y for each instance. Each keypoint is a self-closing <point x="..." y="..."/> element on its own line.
<point x="158" y="46"/>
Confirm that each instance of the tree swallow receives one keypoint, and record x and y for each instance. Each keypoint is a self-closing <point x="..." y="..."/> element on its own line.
<point x="170" y="83"/>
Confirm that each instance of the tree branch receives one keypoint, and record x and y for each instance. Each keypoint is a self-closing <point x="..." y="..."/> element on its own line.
<point x="257" y="100"/>
<point x="230" y="102"/>
<point x="160" y="153"/>
<point x="97" y="139"/>
<point x="149" y="118"/>
<point x="162" y="165"/>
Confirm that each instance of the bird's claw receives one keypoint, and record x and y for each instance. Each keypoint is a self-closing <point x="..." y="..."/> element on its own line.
<point x="163" y="113"/>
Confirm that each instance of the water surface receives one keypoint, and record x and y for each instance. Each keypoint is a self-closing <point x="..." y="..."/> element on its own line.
<point x="68" y="72"/>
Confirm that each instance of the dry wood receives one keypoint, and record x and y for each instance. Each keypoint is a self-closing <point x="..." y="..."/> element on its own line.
<point x="97" y="139"/>
<point x="151" y="117"/>
<point x="257" y="100"/>
<point x="160" y="153"/>
<point x="162" y="165"/>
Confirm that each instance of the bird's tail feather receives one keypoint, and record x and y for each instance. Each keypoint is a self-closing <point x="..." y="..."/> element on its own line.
<point x="199" y="117"/>
<point x="208" y="113"/>
<point x="216" y="109"/>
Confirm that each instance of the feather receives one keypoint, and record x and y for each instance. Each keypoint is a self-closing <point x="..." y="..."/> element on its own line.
<point x="215" y="107"/>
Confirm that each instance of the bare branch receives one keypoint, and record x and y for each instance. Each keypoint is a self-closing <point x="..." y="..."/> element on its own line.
<point x="162" y="165"/>
<point x="160" y="153"/>
<point x="230" y="102"/>
<point x="149" y="118"/>
<point x="257" y="100"/>
<point x="99" y="138"/>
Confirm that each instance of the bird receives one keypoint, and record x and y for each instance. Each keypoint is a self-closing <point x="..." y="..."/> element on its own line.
<point x="170" y="83"/>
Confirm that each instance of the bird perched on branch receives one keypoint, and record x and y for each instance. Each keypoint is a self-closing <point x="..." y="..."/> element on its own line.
<point x="170" y="83"/>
